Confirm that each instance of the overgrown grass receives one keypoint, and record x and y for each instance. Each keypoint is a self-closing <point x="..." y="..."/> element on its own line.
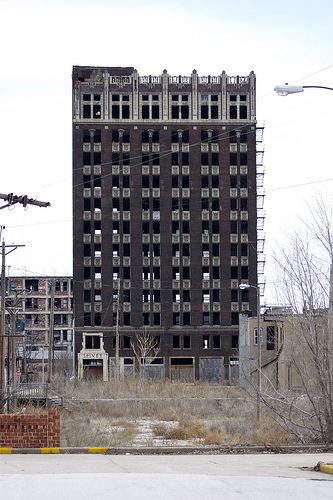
<point x="111" y="414"/>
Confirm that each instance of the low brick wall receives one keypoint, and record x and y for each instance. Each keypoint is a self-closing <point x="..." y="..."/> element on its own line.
<point x="30" y="431"/>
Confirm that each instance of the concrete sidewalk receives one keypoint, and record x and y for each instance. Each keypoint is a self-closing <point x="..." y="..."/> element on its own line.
<point x="230" y="465"/>
<point x="132" y="477"/>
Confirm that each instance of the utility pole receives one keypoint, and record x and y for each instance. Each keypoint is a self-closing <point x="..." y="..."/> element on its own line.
<point x="12" y="199"/>
<point x="3" y="324"/>
<point x="11" y="356"/>
<point x="50" y="364"/>
<point x="4" y="252"/>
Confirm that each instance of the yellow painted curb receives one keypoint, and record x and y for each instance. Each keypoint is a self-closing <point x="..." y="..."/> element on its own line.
<point x="327" y="468"/>
<point x="97" y="450"/>
<point x="5" y="451"/>
<point x="52" y="451"/>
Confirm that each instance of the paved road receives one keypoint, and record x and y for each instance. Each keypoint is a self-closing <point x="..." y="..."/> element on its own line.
<point x="227" y="477"/>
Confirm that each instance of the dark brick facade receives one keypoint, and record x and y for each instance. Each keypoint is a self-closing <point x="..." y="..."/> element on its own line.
<point x="164" y="198"/>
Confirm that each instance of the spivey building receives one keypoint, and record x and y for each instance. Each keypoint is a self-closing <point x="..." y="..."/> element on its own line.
<point x="165" y="219"/>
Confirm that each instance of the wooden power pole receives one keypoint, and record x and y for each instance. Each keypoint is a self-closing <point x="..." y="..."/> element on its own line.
<point x="50" y="364"/>
<point x="10" y="199"/>
<point x="3" y="326"/>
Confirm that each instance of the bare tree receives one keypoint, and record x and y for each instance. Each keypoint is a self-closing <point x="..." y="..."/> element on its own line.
<point x="145" y="348"/>
<point x="306" y="286"/>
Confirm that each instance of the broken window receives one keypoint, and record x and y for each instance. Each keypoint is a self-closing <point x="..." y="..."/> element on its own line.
<point x="156" y="319"/>
<point x="234" y="318"/>
<point x="87" y="319"/>
<point x="115" y="111"/>
<point x="125" y="111"/>
<point x="145" y="112"/>
<point x="184" y="112"/>
<point x="176" y="341"/>
<point x="86" y="111"/>
<point x="233" y="112"/>
<point x="185" y="136"/>
<point x="96" y="111"/>
<point x="155" y="112"/>
<point x="234" y="272"/>
<point x="187" y="341"/>
<point x="243" y="112"/>
<point x="216" y="342"/>
<point x="215" y="249"/>
<point x="115" y="136"/>
<point x="233" y="137"/>
<point x="145" y="136"/>
<point x="214" y="112"/>
<point x="271" y="338"/>
<point x="97" y="136"/>
<point x="215" y="159"/>
<point x="204" y="112"/>
<point x="31" y="285"/>
<point x="86" y="135"/>
<point x="176" y="320"/>
<point x="234" y="341"/>
<point x="92" y="342"/>
<point x="174" y="136"/>
<point x="186" y="318"/>
<point x="206" y="338"/>
<point x="185" y="158"/>
<point x="204" y="158"/>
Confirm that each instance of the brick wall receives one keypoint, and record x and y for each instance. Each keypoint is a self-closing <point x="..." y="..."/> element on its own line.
<point x="30" y="431"/>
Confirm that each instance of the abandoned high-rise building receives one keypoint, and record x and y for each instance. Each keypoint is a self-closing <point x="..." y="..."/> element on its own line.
<point x="165" y="190"/>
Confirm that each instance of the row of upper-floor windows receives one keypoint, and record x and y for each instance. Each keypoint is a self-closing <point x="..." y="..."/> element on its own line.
<point x="152" y="110"/>
<point x="184" y="204"/>
<point x="177" y="158"/>
<point x="178" y="273"/>
<point x="178" y="250"/>
<point x="150" y="319"/>
<point x="204" y="97"/>
<point x="153" y="136"/>
<point x="154" y="296"/>
<point x="177" y="227"/>
<point x="178" y="341"/>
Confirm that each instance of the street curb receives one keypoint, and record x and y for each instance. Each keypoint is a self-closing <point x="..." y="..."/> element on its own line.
<point x="173" y="450"/>
<point x="326" y="468"/>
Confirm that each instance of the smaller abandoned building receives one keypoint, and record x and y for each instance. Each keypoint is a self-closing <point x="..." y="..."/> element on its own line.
<point x="29" y="299"/>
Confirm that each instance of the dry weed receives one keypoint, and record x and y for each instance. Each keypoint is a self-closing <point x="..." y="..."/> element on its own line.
<point x="167" y="414"/>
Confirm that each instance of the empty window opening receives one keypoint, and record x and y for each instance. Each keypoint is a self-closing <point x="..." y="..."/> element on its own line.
<point x="205" y="342"/>
<point x="176" y="341"/>
<point x="92" y="342"/>
<point x="271" y="338"/>
<point x="216" y="342"/>
<point x="187" y="342"/>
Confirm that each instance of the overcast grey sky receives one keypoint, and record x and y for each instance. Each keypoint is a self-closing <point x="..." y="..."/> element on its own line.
<point x="41" y="40"/>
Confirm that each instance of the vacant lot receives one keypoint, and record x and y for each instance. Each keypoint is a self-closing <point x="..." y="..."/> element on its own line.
<point x="141" y="413"/>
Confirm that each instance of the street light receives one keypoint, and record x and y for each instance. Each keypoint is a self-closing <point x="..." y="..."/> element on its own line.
<point x="286" y="89"/>
<point x="246" y="286"/>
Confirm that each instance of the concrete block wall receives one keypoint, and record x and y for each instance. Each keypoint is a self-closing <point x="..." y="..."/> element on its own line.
<point x="30" y="431"/>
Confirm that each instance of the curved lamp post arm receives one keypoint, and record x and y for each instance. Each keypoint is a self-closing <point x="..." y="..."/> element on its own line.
<point x="286" y="89"/>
